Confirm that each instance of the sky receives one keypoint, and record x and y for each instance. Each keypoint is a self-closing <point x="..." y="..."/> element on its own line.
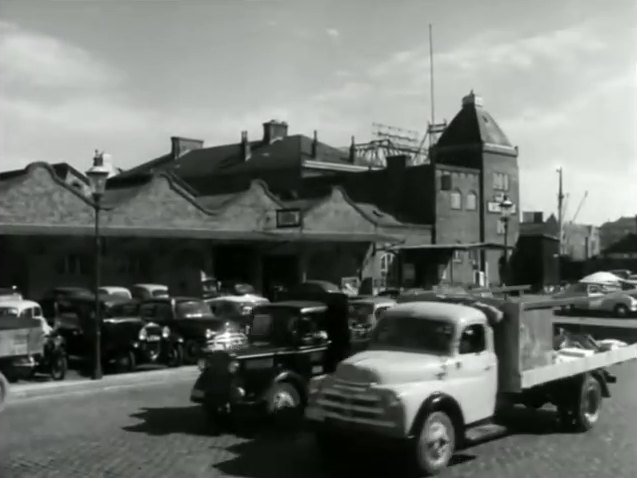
<point x="123" y="76"/>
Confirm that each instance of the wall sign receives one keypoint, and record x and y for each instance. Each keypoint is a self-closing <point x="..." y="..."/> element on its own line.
<point x="494" y="208"/>
<point x="288" y="218"/>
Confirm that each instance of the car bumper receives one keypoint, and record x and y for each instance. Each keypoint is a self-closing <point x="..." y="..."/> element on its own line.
<point x="376" y="429"/>
<point x="217" y="391"/>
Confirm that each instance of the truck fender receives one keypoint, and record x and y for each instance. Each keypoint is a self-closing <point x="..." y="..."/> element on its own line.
<point x="439" y="401"/>
<point x="295" y="379"/>
<point x="600" y="375"/>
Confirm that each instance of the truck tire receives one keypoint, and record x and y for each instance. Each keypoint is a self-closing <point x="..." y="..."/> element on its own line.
<point x="59" y="367"/>
<point x="621" y="311"/>
<point x="435" y="444"/>
<point x="588" y="405"/>
<point x="175" y="355"/>
<point x="4" y="391"/>
<point x="283" y="404"/>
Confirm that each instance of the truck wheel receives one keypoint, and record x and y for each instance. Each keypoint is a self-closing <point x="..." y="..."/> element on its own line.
<point x="126" y="362"/>
<point x="283" y="403"/>
<point x="435" y="444"/>
<point x="589" y="403"/>
<point x="59" y="366"/>
<point x="621" y="311"/>
<point x="4" y="391"/>
<point x="191" y="351"/>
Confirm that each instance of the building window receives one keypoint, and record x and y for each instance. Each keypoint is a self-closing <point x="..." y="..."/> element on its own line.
<point x="501" y="181"/>
<point x="471" y="202"/>
<point x="72" y="264"/>
<point x="445" y="182"/>
<point x="456" y="199"/>
<point x="474" y="256"/>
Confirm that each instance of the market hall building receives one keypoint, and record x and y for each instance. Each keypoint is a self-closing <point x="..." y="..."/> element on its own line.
<point x="276" y="210"/>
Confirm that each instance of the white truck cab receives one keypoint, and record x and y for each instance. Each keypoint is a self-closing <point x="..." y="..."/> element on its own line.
<point x="430" y="372"/>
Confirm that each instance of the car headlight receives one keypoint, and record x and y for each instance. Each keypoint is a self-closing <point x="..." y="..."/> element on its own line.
<point x="233" y="366"/>
<point x="143" y="334"/>
<point x="165" y="332"/>
<point x="210" y="334"/>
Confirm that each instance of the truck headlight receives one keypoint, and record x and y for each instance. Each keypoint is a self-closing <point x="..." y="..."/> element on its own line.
<point x="165" y="332"/>
<point x="143" y="334"/>
<point x="233" y="366"/>
<point x="210" y="334"/>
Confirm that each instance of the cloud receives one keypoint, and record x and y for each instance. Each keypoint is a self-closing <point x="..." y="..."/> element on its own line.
<point x="333" y="33"/>
<point x="29" y="58"/>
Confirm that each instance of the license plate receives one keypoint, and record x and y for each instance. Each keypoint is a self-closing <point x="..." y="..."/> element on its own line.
<point x="197" y="393"/>
<point x="153" y="338"/>
<point x="317" y="369"/>
<point x="217" y="346"/>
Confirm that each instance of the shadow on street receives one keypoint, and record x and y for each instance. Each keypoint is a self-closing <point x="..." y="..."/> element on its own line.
<point x="188" y="420"/>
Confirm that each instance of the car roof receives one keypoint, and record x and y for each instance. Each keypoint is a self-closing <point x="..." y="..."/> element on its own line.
<point x="237" y="298"/>
<point x="373" y="300"/>
<point x="114" y="287"/>
<point x="456" y="313"/>
<point x="303" y="305"/>
<point x="18" y="304"/>
<point x="150" y="286"/>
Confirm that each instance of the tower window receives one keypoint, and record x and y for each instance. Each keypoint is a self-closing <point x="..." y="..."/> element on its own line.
<point x="501" y="181"/>
<point x="471" y="201"/>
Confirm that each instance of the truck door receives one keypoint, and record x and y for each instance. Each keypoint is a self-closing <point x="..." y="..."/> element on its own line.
<point x="476" y="367"/>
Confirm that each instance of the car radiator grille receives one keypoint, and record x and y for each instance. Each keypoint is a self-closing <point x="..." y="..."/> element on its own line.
<point x="351" y="401"/>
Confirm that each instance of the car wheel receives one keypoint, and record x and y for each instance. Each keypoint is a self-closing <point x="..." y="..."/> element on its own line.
<point x="59" y="366"/>
<point x="621" y="311"/>
<point x="175" y="355"/>
<point x="4" y="391"/>
<point x="284" y="403"/>
<point x="435" y="444"/>
<point x="191" y="351"/>
<point x="126" y="362"/>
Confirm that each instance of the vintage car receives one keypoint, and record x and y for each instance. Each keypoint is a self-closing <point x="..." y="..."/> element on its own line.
<point x="115" y="291"/>
<point x="52" y="360"/>
<point x="363" y="313"/>
<point x="51" y="298"/>
<point x="193" y="322"/>
<point x="149" y="291"/>
<point x="126" y="339"/>
<point x="599" y="299"/>
<point x="237" y="308"/>
<point x="289" y="342"/>
<point x="20" y="340"/>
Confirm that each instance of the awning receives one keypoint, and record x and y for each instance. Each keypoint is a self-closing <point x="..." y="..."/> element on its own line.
<point x="450" y="247"/>
<point x="280" y="235"/>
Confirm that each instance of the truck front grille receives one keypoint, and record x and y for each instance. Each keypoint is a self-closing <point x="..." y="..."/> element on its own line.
<point x="352" y="401"/>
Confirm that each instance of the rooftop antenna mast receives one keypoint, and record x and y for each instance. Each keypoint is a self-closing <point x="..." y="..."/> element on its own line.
<point x="560" y="208"/>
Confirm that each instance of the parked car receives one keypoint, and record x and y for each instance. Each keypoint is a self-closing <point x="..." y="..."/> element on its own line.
<point x="51" y="298"/>
<point x="193" y="322"/>
<point x="600" y="300"/>
<point x="289" y="342"/>
<point x="149" y="291"/>
<point x="10" y="293"/>
<point x="116" y="291"/>
<point x="621" y="273"/>
<point x="126" y="339"/>
<point x="237" y="308"/>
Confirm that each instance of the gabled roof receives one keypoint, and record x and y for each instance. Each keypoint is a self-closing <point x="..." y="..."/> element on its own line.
<point x="473" y="125"/>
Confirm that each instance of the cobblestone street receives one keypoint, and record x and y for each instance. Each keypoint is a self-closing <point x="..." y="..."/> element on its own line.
<point x="156" y="432"/>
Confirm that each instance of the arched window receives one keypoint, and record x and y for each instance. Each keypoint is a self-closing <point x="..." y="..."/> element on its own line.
<point x="456" y="199"/>
<point x="471" y="201"/>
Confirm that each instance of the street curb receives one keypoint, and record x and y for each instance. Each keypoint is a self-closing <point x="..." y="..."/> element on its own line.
<point x="127" y="380"/>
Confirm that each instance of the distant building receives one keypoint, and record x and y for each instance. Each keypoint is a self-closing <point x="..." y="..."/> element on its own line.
<point x="613" y="231"/>
<point x="580" y="242"/>
<point x="535" y="261"/>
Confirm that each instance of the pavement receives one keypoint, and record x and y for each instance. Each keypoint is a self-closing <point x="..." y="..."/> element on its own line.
<point x="151" y="429"/>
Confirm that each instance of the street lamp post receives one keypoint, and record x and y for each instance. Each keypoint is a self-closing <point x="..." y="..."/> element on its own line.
<point x="97" y="175"/>
<point x="506" y="208"/>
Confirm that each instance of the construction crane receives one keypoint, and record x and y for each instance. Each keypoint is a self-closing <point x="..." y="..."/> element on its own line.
<point x="572" y="221"/>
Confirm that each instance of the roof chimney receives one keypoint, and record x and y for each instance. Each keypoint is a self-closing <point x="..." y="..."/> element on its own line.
<point x="245" y="146"/>
<point x="180" y="146"/>
<point x="315" y="144"/>
<point x="274" y="130"/>
<point x="472" y="100"/>
<point x="352" y="151"/>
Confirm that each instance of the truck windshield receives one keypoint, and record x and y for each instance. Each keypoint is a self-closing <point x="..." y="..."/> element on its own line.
<point x="193" y="309"/>
<point x="413" y="333"/>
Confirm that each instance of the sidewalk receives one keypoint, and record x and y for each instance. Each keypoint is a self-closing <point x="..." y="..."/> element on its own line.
<point x="28" y="390"/>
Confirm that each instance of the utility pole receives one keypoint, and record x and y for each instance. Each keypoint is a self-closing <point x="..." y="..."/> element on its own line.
<point x="431" y="85"/>
<point x="560" y="208"/>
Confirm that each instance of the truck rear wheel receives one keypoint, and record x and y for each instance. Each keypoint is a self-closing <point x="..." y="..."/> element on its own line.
<point x="435" y="443"/>
<point x="588" y="405"/>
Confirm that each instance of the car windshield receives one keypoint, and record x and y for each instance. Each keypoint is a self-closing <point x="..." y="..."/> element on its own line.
<point x="413" y="333"/>
<point x="123" y="310"/>
<point x="271" y="324"/>
<point x="8" y="312"/>
<point x="193" y="309"/>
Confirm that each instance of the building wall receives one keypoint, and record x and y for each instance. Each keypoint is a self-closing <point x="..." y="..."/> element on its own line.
<point x="580" y="241"/>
